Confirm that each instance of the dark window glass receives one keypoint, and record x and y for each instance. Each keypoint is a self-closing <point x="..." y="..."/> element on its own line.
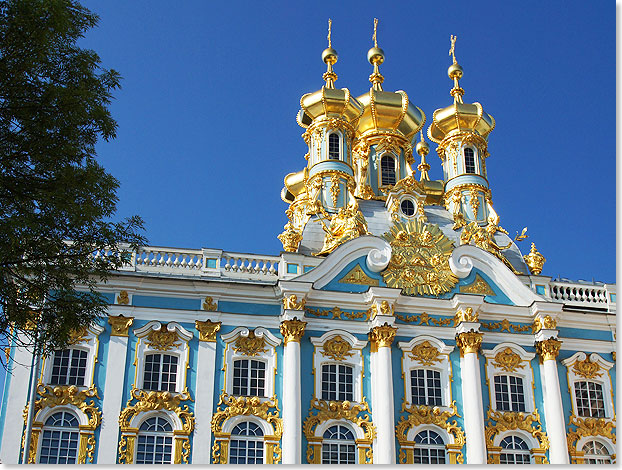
<point x="509" y="393"/>
<point x="249" y="377"/>
<point x="333" y="146"/>
<point x="429" y="448"/>
<point x="337" y="382"/>
<point x="514" y="451"/>
<point x="590" y="401"/>
<point x="246" y="446"/>
<point x="338" y="446"/>
<point x="425" y="386"/>
<point x="155" y="442"/>
<point x="160" y="372"/>
<point x="408" y="208"/>
<point x="387" y="170"/>
<point x="69" y="367"/>
<point x="59" y="441"/>
<point x="469" y="160"/>
<point x="596" y="453"/>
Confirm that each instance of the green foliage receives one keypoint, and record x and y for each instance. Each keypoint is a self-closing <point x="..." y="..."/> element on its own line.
<point x="54" y="99"/>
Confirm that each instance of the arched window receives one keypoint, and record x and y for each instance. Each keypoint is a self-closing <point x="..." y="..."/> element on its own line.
<point x="387" y="170"/>
<point x="333" y="146"/>
<point x="589" y="396"/>
<point x="514" y="450"/>
<point x="249" y="378"/>
<point x="60" y="439"/>
<point x="69" y="367"/>
<point x="337" y="382"/>
<point x="246" y="445"/>
<point x="338" y="446"/>
<point x="407" y="207"/>
<point x="160" y="372"/>
<point x="425" y="386"/>
<point x="596" y="453"/>
<point x="429" y="448"/>
<point x="469" y="160"/>
<point x="155" y="441"/>
<point x="509" y="393"/>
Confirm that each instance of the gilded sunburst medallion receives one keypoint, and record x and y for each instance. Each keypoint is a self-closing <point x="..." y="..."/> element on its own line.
<point x="420" y="261"/>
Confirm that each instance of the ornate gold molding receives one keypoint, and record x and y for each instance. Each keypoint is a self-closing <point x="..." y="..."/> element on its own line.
<point x="426" y="354"/>
<point x="587" y="368"/>
<point x="357" y="414"/>
<point x="420" y="415"/>
<point x="292" y="330"/>
<point x="77" y="336"/>
<point x="382" y="336"/>
<point x="505" y="325"/>
<point x="123" y="298"/>
<point x="291" y="303"/>
<point x="548" y="350"/>
<point x="207" y="330"/>
<point x="337" y="349"/>
<point x="336" y="313"/>
<point x="543" y="323"/>
<point x="469" y="342"/>
<point x="250" y="345"/>
<point x="153" y="401"/>
<point x="478" y="286"/>
<point x="358" y="276"/>
<point x="511" y="420"/>
<point x="162" y="339"/>
<point x="120" y="325"/>
<point x="587" y="427"/>
<point x="229" y="407"/>
<point x="508" y="360"/>
<point x="209" y="304"/>
<point x="425" y="319"/>
<point x="466" y="315"/>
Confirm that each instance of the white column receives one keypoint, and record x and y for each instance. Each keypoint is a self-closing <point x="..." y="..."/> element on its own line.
<point x="204" y="396"/>
<point x="473" y="408"/>
<point x="383" y="412"/>
<point x="292" y="331"/>
<point x="16" y="398"/>
<point x="113" y="393"/>
<point x="553" y="408"/>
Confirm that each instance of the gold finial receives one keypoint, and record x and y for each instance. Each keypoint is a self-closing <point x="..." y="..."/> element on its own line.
<point x="534" y="260"/>
<point x="329" y="56"/>
<point x="455" y="72"/>
<point x="423" y="149"/>
<point x="375" y="56"/>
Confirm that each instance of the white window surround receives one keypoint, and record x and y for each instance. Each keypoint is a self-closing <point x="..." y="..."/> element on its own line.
<point x="601" y="377"/>
<point x="353" y="358"/>
<point x="266" y="354"/>
<point x="88" y="343"/>
<point x="522" y="370"/>
<point x="611" y="448"/>
<point x="531" y="441"/>
<point x="179" y="349"/>
<point x="440" y="364"/>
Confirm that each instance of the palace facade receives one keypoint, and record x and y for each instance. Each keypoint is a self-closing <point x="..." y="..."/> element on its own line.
<point x="400" y="324"/>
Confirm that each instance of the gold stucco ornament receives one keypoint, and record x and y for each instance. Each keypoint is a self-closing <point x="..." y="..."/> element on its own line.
<point x="420" y="261"/>
<point x="348" y="223"/>
<point x="534" y="260"/>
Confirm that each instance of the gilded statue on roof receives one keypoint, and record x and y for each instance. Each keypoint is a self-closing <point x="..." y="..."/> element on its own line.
<point x="346" y="224"/>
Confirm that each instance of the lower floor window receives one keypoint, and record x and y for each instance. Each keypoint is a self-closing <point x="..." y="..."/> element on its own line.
<point x="596" y="453"/>
<point x="155" y="441"/>
<point x="429" y="448"/>
<point x="338" y="446"/>
<point x="59" y="443"/>
<point x="514" y="450"/>
<point x="246" y="445"/>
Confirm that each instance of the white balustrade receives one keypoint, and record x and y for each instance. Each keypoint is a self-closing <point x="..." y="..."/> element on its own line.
<point x="579" y="294"/>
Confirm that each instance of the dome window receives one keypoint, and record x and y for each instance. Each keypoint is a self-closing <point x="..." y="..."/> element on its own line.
<point x="387" y="169"/>
<point x="334" y="150"/>
<point x="469" y="160"/>
<point x="407" y="207"/>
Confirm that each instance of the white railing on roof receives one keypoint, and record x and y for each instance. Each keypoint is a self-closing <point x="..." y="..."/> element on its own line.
<point x="239" y="265"/>
<point x="583" y="295"/>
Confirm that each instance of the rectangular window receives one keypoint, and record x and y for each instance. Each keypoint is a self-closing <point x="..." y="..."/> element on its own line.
<point x="160" y="373"/>
<point x="69" y="367"/>
<point x="590" y="401"/>
<point x="249" y="378"/>
<point x="425" y="386"/>
<point x="509" y="393"/>
<point x="337" y="382"/>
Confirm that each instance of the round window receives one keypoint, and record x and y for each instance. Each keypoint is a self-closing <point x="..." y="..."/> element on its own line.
<point x="408" y="208"/>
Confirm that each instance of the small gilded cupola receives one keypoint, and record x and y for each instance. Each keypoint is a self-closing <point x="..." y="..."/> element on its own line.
<point x="461" y="131"/>
<point x="326" y="185"/>
<point x="383" y="151"/>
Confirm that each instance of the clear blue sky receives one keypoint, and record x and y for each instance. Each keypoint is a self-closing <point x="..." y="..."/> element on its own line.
<point x="207" y="126"/>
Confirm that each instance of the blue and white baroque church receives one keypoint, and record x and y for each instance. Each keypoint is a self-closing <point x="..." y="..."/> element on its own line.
<point x="400" y="323"/>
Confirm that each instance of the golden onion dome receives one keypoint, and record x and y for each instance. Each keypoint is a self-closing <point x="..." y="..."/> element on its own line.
<point x="459" y="116"/>
<point x="386" y="111"/>
<point x="328" y="102"/>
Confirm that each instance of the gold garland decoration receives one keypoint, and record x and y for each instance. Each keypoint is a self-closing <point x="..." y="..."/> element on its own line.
<point x="336" y="348"/>
<point x="512" y="420"/>
<point x="250" y="345"/>
<point x="162" y="339"/>
<point x="422" y="414"/>
<point x="425" y="319"/>
<point x="508" y="360"/>
<point x="230" y="406"/>
<point x="335" y="313"/>
<point x="426" y="354"/>
<point x="356" y="413"/>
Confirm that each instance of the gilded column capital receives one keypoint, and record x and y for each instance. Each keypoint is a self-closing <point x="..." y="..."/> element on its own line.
<point x="292" y="330"/>
<point x="548" y="349"/>
<point x="120" y="325"/>
<point x="207" y="330"/>
<point x="469" y="342"/>
<point x="382" y="336"/>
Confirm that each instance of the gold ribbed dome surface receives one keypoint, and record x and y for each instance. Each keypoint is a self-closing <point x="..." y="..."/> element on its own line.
<point x="388" y="111"/>
<point x="460" y="117"/>
<point x="329" y="102"/>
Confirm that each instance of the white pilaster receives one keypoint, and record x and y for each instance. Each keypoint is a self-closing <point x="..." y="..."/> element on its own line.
<point x="204" y="395"/>
<point x="16" y="398"/>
